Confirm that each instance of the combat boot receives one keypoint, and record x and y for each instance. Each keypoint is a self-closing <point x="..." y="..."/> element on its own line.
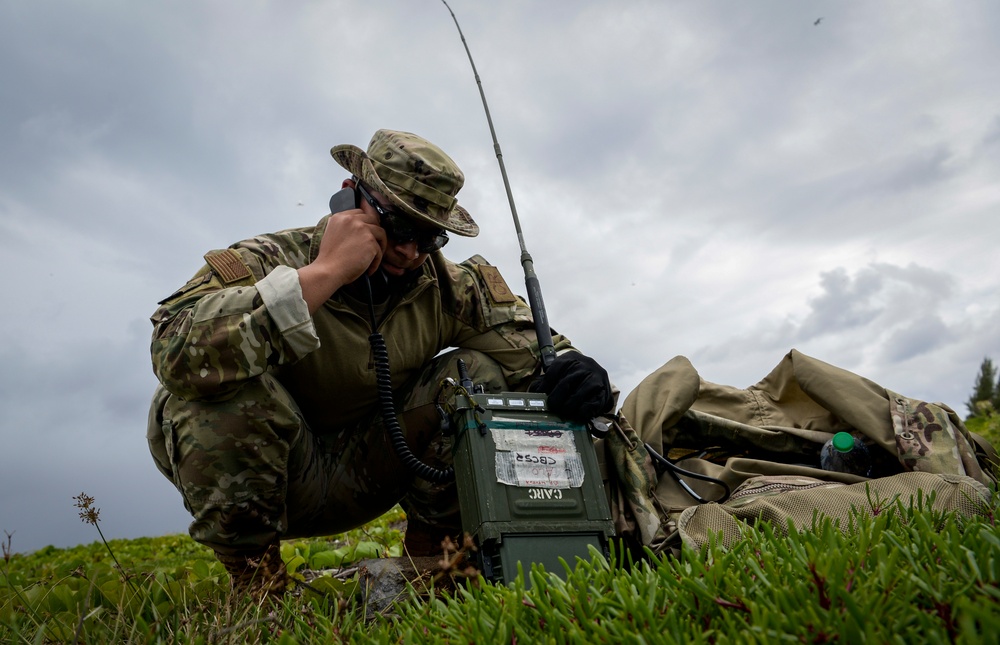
<point x="261" y="575"/>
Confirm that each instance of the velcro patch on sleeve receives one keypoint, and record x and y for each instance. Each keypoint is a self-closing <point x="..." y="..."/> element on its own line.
<point x="499" y="291"/>
<point x="228" y="265"/>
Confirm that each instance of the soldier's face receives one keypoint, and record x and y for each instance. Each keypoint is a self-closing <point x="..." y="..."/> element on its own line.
<point x="401" y="256"/>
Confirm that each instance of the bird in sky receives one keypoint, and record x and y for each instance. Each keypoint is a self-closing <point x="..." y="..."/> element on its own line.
<point x="818" y="20"/>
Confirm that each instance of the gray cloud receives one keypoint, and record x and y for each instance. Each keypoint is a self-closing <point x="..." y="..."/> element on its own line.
<point x="917" y="338"/>
<point x="845" y="303"/>
<point x="878" y="291"/>
<point x="993" y="134"/>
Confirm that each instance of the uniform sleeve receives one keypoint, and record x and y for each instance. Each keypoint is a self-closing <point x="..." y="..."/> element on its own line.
<point x="492" y="319"/>
<point x="236" y="319"/>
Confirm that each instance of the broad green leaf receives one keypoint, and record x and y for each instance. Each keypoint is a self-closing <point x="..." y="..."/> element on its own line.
<point x="328" y="559"/>
<point x="295" y="563"/>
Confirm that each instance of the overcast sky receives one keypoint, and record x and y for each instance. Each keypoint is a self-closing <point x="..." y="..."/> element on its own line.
<point x="721" y="180"/>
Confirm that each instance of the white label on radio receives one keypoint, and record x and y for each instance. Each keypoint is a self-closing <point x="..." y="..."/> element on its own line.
<point x="537" y="458"/>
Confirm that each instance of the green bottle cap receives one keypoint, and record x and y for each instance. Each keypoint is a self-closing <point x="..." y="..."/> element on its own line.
<point x="843" y="441"/>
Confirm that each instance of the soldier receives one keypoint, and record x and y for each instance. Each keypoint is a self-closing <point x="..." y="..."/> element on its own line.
<point x="267" y="419"/>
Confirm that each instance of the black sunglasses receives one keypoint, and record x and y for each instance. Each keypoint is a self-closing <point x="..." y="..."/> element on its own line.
<point x="401" y="228"/>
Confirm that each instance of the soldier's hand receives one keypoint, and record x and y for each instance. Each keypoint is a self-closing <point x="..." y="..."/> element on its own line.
<point x="352" y="245"/>
<point x="354" y="242"/>
<point x="578" y="387"/>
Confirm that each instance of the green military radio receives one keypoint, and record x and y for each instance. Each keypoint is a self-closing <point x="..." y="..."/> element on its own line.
<point x="529" y="485"/>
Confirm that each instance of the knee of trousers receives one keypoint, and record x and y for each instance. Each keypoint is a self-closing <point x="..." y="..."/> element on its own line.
<point x="482" y="369"/>
<point x="227" y="457"/>
<point x="419" y="416"/>
<point x="436" y="504"/>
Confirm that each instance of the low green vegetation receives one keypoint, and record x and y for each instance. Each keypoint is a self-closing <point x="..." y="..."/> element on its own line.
<point x="984" y="403"/>
<point x="987" y="425"/>
<point x="913" y="575"/>
<point x="985" y="397"/>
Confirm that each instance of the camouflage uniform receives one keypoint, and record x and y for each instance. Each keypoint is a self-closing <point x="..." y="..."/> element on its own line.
<point x="266" y="417"/>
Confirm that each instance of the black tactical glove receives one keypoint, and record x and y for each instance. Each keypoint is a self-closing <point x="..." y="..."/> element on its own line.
<point x="578" y="388"/>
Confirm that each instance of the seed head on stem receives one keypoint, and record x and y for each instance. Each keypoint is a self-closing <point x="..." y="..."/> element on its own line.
<point x="88" y="512"/>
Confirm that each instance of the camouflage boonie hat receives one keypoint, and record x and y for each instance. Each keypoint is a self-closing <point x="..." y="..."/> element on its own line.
<point x="414" y="174"/>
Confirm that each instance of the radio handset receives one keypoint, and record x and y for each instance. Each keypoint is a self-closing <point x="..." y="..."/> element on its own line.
<point x="344" y="199"/>
<point x="347" y="199"/>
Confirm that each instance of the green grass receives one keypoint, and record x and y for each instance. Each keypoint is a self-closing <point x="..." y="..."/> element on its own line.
<point x="908" y="576"/>
<point x="987" y="425"/>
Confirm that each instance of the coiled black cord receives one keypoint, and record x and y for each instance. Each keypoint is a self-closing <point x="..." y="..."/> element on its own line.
<point x="661" y="463"/>
<point x="383" y="380"/>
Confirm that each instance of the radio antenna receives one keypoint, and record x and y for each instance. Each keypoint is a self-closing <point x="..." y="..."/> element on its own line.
<point x="542" y="329"/>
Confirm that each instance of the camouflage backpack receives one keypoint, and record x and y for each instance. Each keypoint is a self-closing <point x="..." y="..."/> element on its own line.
<point x="686" y="458"/>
